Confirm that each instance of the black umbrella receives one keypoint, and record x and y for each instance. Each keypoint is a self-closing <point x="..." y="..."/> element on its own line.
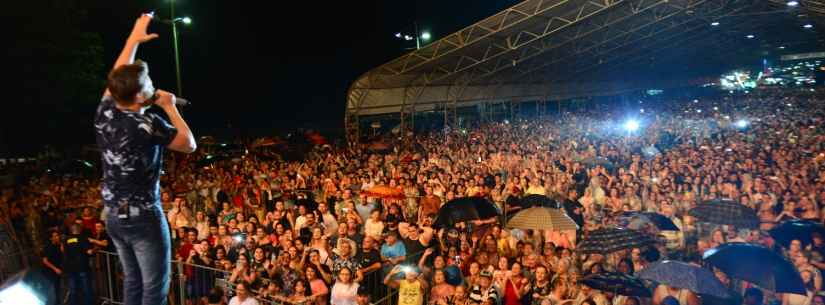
<point x="535" y="200"/>
<point x="757" y="265"/>
<point x="464" y="209"/>
<point x="618" y="283"/>
<point x="686" y="276"/>
<point x="634" y="220"/>
<point x="726" y="212"/>
<point x="610" y="240"/>
<point x="801" y="230"/>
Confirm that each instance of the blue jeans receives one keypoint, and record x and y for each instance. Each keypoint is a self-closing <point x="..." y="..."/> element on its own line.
<point x="144" y="248"/>
<point x="80" y="287"/>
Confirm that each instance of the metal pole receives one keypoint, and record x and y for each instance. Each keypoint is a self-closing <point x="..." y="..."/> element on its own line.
<point x="109" y="277"/>
<point x="417" y="36"/>
<point x="175" y="42"/>
<point x="182" y="288"/>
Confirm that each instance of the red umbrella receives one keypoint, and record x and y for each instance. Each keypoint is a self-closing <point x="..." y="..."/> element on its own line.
<point x="386" y="192"/>
<point x="316" y="138"/>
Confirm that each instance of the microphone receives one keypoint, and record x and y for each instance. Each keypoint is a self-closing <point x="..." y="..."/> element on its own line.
<point x="179" y="101"/>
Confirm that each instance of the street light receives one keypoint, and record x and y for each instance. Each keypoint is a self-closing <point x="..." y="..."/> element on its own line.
<point x="417" y="36"/>
<point x="174" y="22"/>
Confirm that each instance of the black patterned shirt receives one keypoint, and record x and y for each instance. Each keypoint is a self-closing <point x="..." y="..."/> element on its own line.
<point x="132" y="145"/>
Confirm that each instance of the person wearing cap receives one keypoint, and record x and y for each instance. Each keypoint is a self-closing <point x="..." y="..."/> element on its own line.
<point x="344" y="256"/>
<point x="484" y="289"/>
<point x="392" y="251"/>
<point x="411" y="289"/>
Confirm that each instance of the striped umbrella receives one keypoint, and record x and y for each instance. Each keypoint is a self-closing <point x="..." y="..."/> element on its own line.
<point x="726" y="212"/>
<point x="618" y="283"/>
<point x="610" y="240"/>
<point x="541" y="218"/>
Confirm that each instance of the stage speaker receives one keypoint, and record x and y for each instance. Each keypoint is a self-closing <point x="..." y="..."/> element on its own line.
<point x="28" y="287"/>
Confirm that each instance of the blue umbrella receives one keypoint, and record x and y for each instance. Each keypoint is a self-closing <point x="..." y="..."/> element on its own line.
<point x="758" y="265"/>
<point x="453" y="275"/>
<point x="685" y="276"/>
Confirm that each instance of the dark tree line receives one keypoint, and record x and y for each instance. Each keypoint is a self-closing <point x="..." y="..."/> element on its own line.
<point x="55" y="74"/>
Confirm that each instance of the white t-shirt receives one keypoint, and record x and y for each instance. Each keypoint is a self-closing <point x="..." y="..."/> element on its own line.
<point x="249" y="301"/>
<point x="343" y="294"/>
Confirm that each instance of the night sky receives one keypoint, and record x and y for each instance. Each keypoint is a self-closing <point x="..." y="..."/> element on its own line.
<point x="249" y="67"/>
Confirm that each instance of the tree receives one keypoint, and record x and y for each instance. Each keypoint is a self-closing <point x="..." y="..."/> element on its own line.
<point x="58" y="74"/>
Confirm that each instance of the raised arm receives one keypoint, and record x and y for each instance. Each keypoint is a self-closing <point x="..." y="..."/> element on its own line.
<point x="136" y="37"/>
<point x="183" y="141"/>
<point x="389" y="281"/>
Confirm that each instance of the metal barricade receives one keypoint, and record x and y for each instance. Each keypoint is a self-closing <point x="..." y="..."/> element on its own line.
<point x="190" y="282"/>
<point x="187" y="281"/>
<point x="16" y="261"/>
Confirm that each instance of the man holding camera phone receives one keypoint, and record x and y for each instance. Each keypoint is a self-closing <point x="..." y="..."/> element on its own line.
<point x="132" y="144"/>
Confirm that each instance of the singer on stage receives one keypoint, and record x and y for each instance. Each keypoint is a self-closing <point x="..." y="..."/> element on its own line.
<point x="132" y="143"/>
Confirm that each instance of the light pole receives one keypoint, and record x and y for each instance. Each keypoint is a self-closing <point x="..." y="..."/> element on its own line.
<point x="174" y="22"/>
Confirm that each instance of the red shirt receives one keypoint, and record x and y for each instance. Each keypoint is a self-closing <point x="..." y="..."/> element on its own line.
<point x="89" y="223"/>
<point x="238" y="201"/>
<point x="184" y="250"/>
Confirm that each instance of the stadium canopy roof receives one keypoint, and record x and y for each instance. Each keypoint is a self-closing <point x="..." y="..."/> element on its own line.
<point x="560" y="49"/>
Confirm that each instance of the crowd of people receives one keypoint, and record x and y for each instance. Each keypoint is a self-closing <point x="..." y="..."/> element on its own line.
<point x="254" y="230"/>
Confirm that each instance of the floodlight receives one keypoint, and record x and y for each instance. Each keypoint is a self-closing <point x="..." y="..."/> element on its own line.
<point x="808" y="26"/>
<point x="750" y="36"/>
<point x="426" y="35"/>
<point x="631" y="125"/>
<point x="715" y="23"/>
<point x="792" y="3"/>
<point x="29" y="287"/>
